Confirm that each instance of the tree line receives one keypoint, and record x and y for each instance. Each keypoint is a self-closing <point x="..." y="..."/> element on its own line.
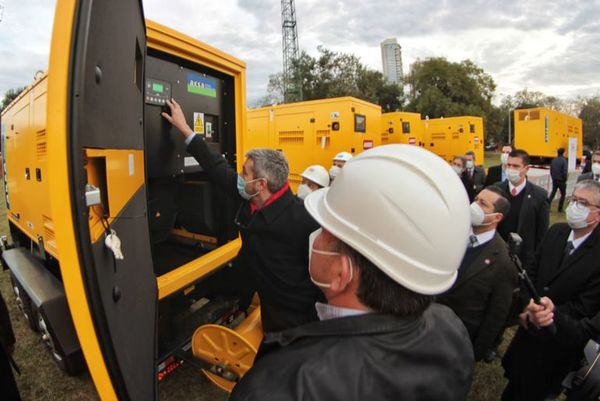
<point x="435" y="87"/>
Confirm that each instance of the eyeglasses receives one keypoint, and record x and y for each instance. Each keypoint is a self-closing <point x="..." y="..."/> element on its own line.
<point x="581" y="202"/>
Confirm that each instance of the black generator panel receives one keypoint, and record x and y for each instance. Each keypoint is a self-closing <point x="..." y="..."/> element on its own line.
<point x="200" y="94"/>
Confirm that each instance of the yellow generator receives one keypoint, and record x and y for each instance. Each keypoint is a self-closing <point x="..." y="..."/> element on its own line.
<point x="313" y="132"/>
<point x="402" y="127"/>
<point x="454" y="136"/>
<point x="541" y="131"/>
<point x="121" y="249"/>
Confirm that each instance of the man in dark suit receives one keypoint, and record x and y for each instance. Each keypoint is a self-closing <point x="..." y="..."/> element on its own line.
<point x="559" y="173"/>
<point x="529" y="212"/>
<point x="567" y="271"/>
<point x="482" y="294"/>
<point x="475" y="173"/>
<point x="497" y="173"/>
<point x="594" y="173"/>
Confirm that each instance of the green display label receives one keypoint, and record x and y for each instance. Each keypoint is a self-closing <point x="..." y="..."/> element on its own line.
<point x="157" y="87"/>
<point x="200" y="85"/>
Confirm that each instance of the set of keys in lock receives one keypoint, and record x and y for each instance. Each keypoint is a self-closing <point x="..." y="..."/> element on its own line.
<point x="113" y="243"/>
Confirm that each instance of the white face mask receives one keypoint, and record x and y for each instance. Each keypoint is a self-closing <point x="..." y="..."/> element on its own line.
<point x="457" y="170"/>
<point x="303" y="191"/>
<point x="596" y="168"/>
<point x="577" y="215"/>
<point x="469" y="164"/>
<point x="478" y="215"/>
<point x="241" y="186"/>
<point x="514" y="176"/>
<point x="311" y="240"/>
<point x="334" y="171"/>
<point x="504" y="158"/>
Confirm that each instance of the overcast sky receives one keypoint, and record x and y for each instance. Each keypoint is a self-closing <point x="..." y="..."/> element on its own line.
<point x="549" y="46"/>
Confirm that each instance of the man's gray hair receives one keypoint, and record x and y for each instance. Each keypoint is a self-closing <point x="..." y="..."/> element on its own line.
<point x="270" y="164"/>
<point x="590" y="185"/>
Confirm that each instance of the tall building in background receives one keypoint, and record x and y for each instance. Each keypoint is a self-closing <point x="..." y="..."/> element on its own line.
<point x="391" y="56"/>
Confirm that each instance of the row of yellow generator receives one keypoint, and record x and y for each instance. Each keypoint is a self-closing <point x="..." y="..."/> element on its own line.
<point x="312" y="132"/>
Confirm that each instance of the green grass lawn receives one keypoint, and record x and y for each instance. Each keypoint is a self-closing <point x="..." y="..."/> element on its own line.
<point x="41" y="380"/>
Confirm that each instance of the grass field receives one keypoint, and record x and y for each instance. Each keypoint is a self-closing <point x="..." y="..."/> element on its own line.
<point x="41" y="380"/>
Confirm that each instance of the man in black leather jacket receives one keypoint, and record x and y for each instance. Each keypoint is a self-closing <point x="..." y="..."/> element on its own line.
<point x="379" y="337"/>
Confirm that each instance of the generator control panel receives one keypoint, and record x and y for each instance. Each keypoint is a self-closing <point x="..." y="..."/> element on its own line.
<point x="157" y="92"/>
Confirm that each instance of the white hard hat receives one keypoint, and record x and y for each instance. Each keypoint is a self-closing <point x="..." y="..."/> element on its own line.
<point x="404" y="209"/>
<point x="343" y="156"/>
<point x="317" y="174"/>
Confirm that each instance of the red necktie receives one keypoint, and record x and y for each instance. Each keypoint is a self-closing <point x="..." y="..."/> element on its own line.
<point x="514" y="192"/>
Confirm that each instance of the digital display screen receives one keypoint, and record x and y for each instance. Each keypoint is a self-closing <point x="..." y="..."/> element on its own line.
<point x="157" y="87"/>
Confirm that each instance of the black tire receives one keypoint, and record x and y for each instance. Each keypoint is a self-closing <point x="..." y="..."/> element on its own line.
<point x="72" y="365"/>
<point x="24" y="303"/>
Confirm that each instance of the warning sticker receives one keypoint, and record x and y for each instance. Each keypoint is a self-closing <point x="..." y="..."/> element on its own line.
<point x="476" y="140"/>
<point x="209" y="129"/>
<point x="198" y="123"/>
<point x="367" y="144"/>
<point x="200" y="85"/>
<point x="412" y="141"/>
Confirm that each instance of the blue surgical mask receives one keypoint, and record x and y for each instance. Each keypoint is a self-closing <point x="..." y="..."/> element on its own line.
<point x="241" y="186"/>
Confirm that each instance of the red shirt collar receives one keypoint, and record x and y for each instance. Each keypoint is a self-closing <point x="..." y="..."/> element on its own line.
<point x="273" y="198"/>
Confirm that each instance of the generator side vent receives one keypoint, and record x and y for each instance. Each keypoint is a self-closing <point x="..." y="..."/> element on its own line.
<point x="49" y="235"/>
<point x="323" y="138"/>
<point x="291" y="137"/>
<point x="41" y="146"/>
<point x="438" y="135"/>
<point x="385" y="138"/>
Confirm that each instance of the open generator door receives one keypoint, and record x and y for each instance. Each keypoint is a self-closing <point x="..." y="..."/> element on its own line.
<point x="98" y="187"/>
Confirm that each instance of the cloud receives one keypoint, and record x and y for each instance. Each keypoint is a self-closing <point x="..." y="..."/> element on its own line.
<point x="553" y="47"/>
<point x="24" y="47"/>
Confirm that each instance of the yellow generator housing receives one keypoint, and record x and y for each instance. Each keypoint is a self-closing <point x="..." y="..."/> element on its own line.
<point x="86" y="156"/>
<point x="313" y="132"/>
<point x="454" y="136"/>
<point x="541" y="131"/>
<point x="402" y="127"/>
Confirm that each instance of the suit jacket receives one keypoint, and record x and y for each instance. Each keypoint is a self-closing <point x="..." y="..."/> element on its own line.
<point x="477" y="180"/>
<point x="482" y="296"/>
<point x="494" y="175"/>
<point x="540" y="362"/>
<point x="468" y="186"/>
<point x="533" y="220"/>
<point x="585" y="176"/>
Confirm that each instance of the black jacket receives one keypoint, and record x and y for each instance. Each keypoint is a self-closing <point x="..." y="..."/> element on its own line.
<point x="540" y="362"/>
<point x="8" y="386"/>
<point x="366" y="357"/>
<point x="477" y="180"/>
<point x="482" y="296"/>
<point x="464" y="178"/>
<point x="533" y="220"/>
<point x="274" y="247"/>
<point x="559" y="169"/>
<point x="494" y="175"/>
